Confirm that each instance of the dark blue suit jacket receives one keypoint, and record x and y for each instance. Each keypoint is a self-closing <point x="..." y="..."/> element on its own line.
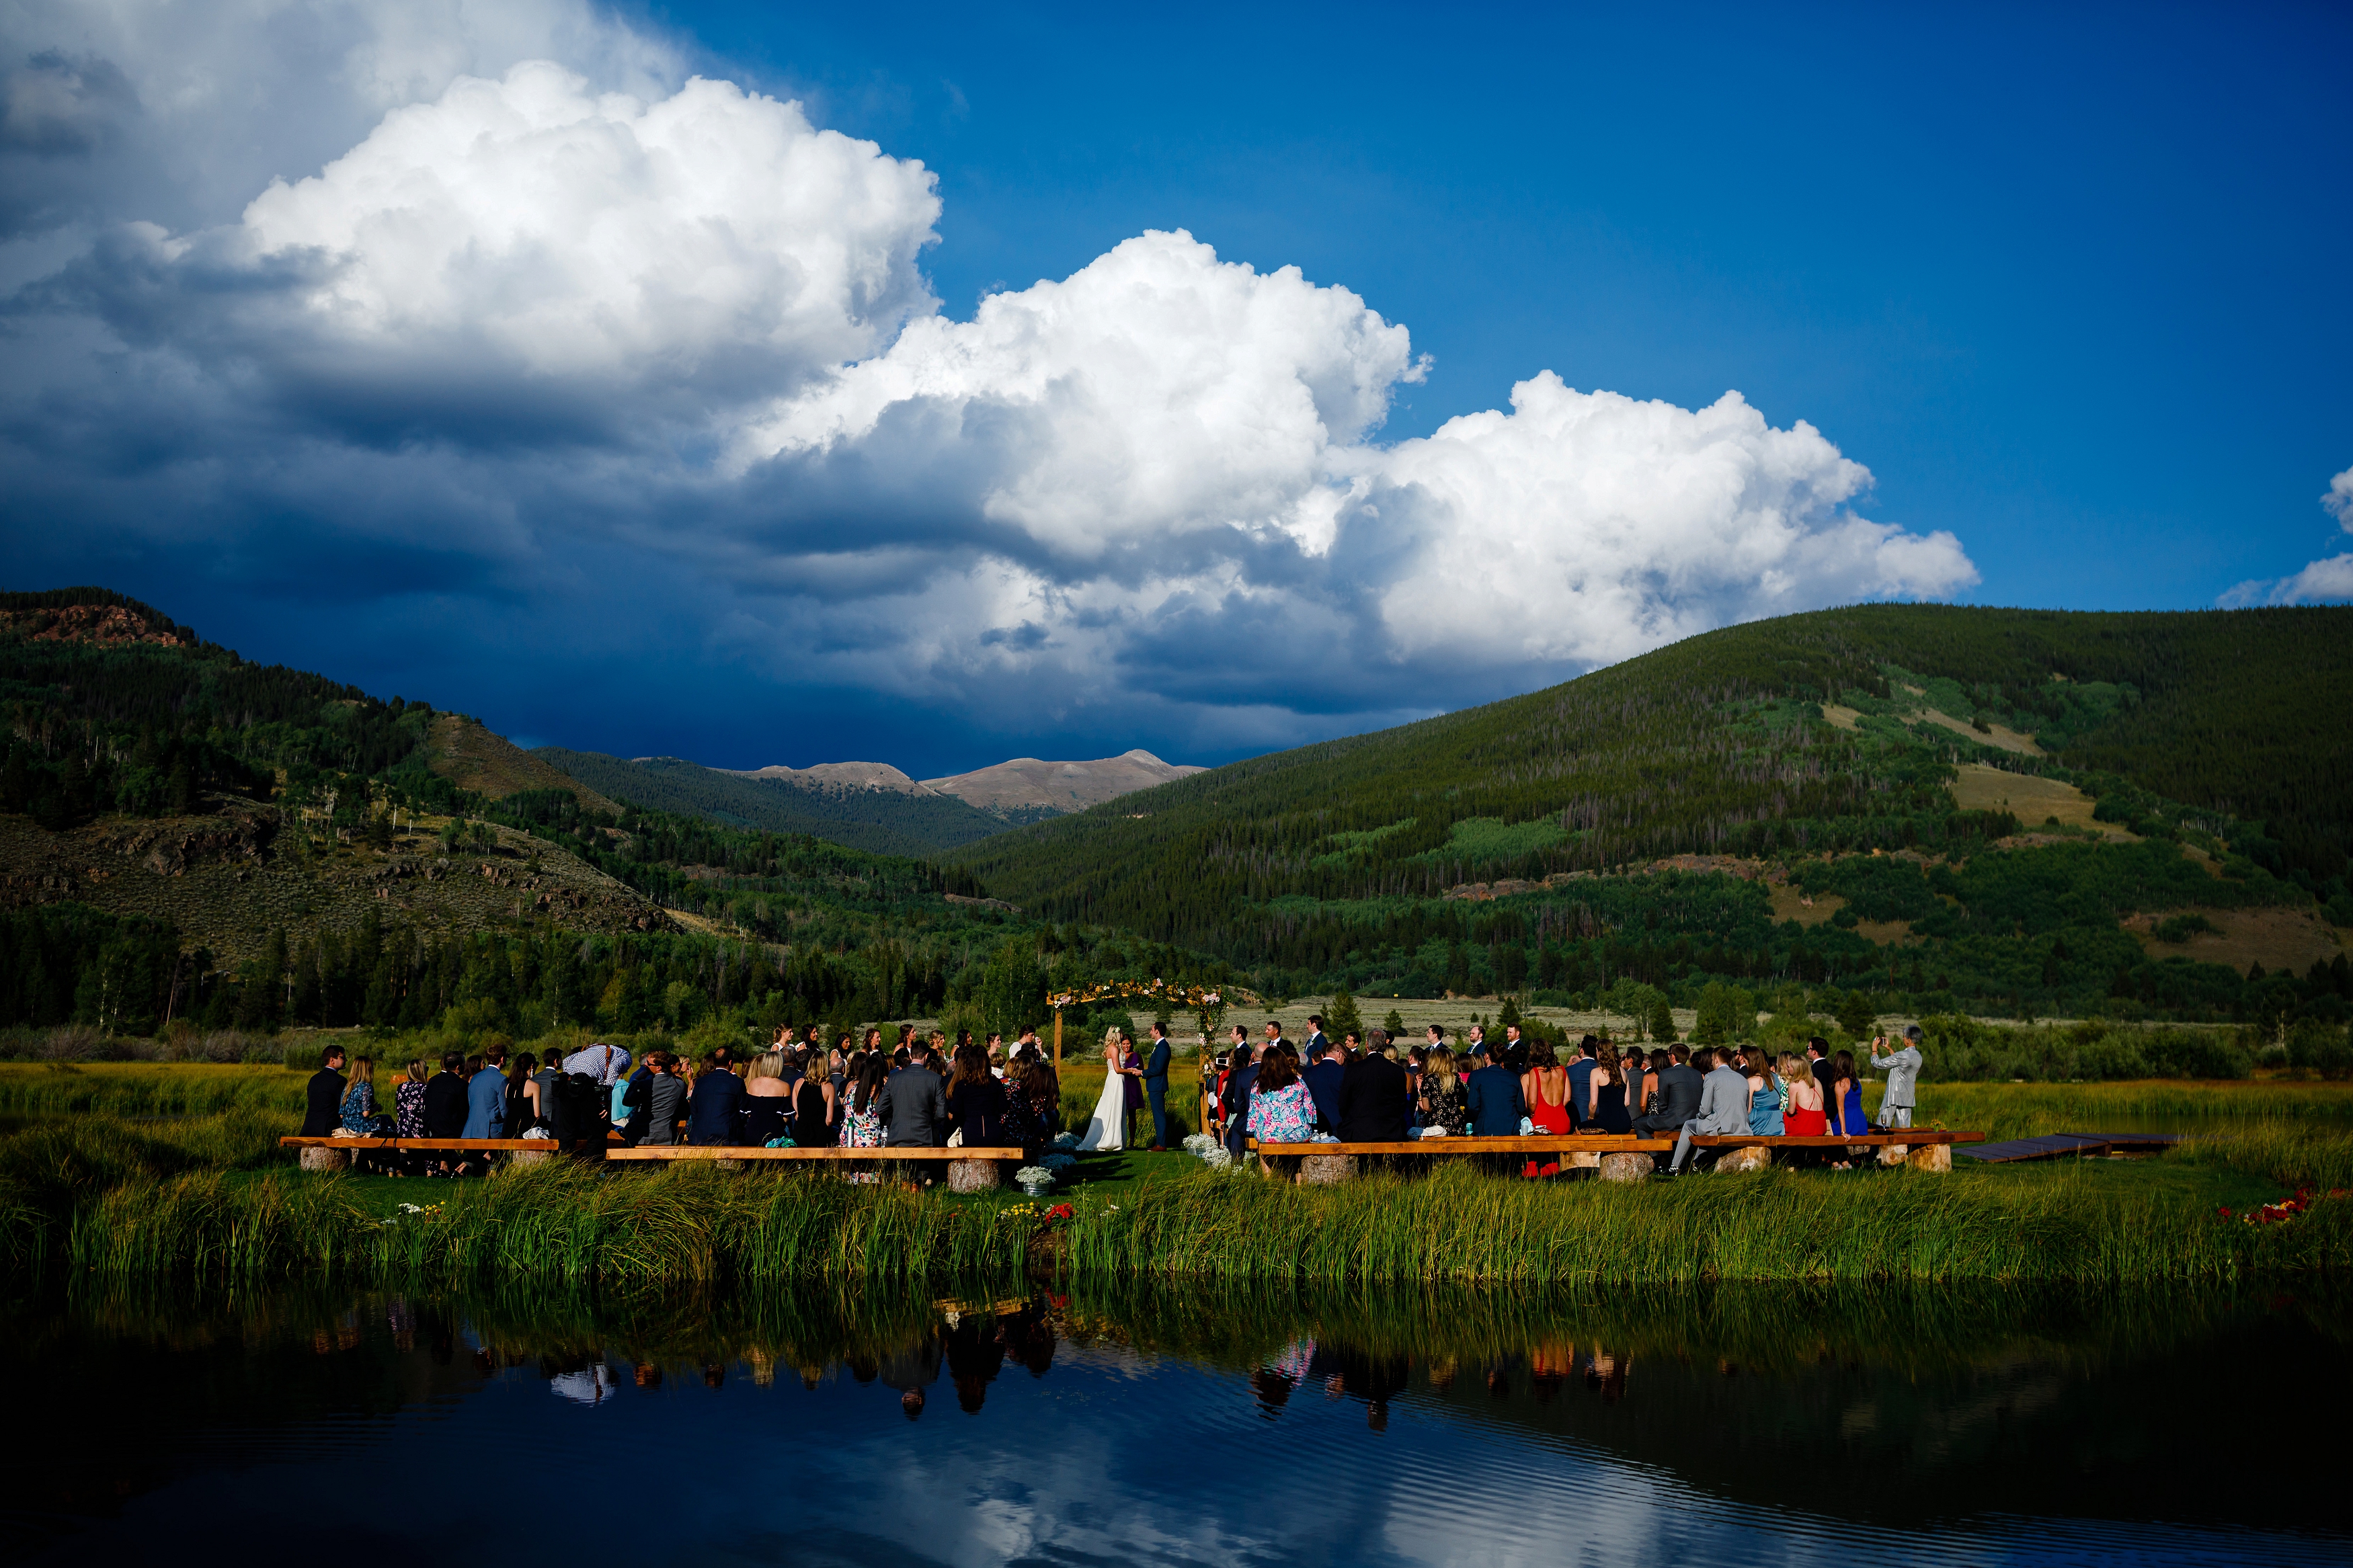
<point x="715" y="1113"/>
<point x="1323" y="1081"/>
<point x="1495" y="1103"/>
<point x="1156" y="1064"/>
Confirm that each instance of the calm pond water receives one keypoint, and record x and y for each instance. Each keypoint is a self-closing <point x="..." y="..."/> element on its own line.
<point x="1024" y="1426"/>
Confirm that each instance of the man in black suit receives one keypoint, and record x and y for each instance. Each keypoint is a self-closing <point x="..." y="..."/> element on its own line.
<point x="445" y="1099"/>
<point x="1240" y="1068"/>
<point x="1375" y="1103"/>
<point x="1679" y="1093"/>
<point x="1313" y="1051"/>
<point x="1323" y="1077"/>
<point x="322" y="1105"/>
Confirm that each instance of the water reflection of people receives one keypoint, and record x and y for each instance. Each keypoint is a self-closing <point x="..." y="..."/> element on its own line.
<point x="974" y="1354"/>
<point x="910" y="1369"/>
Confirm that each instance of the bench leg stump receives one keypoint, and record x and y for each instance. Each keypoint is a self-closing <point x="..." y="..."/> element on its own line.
<point x="1324" y="1170"/>
<point x="729" y="1164"/>
<point x="531" y="1157"/>
<point x="324" y="1158"/>
<point x="1754" y="1157"/>
<point x="1919" y="1157"/>
<point x="976" y="1175"/>
<point x="1627" y="1167"/>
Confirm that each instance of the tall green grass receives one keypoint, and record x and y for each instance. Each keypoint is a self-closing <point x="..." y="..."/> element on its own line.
<point x="2024" y="1111"/>
<point x="146" y="1089"/>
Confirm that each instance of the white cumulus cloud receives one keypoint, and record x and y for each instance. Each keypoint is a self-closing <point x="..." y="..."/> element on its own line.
<point x="513" y="307"/>
<point x="2326" y="580"/>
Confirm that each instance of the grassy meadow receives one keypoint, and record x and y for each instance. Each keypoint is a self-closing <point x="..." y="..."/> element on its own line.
<point x="148" y="1171"/>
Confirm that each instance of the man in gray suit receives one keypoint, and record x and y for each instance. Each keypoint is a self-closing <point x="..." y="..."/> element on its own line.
<point x="1723" y="1107"/>
<point x="1903" y="1070"/>
<point x="1679" y="1092"/>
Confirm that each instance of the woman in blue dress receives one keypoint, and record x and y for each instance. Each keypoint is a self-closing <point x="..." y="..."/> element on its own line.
<point x="1846" y="1109"/>
<point x="1764" y="1095"/>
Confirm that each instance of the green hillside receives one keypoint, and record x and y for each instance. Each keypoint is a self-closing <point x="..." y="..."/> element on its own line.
<point x="883" y="822"/>
<point x="1832" y="733"/>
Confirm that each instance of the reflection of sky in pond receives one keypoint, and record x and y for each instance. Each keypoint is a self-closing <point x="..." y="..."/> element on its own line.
<point x="1113" y="1456"/>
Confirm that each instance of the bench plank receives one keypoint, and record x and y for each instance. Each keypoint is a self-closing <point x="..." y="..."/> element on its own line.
<point x="725" y="1152"/>
<point x="520" y="1143"/>
<point x="1538" y="1144"/>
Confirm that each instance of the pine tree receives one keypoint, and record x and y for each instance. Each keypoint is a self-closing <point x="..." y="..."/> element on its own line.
<point x="1662" y="1021"/>
<point x="1341" y="1019"/>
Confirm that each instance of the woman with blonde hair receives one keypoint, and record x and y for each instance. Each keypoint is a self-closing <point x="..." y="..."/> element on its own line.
<point x="766" y="1098"/>
<point x="1444" y="1106"/>
<point x="1801" y="1104"/>
<point x="408" y="1102"/>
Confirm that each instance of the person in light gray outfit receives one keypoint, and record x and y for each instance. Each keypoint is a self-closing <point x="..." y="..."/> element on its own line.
<point x="1722" y="1107"/>
<point x="1903" y="1070"/>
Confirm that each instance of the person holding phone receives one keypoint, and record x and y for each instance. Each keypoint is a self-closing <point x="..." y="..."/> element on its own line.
<point x="1903" y="1070"/>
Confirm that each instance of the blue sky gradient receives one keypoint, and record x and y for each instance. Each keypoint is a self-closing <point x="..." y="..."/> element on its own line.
<point x="2071" y="285"/>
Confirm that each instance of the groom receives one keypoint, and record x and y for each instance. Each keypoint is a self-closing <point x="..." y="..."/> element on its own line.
<point x="1155" y="1073"/>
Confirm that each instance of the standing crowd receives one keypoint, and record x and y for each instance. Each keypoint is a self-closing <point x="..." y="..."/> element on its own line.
<point x="1366" y="1092"/>
<point x="917" y="1093"/>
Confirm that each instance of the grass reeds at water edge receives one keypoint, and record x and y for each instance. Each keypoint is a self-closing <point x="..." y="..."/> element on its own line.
<point x="694" y="1227"/>
<point x="2024" y="1111"/>
<point x="149" y="1088"/>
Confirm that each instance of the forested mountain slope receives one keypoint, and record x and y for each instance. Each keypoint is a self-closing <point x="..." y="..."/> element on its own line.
<point x="880" y="821"/>
<point x="1777" y="741"/>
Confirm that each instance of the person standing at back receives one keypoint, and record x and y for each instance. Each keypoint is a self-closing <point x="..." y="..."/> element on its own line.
<point x="323" y="1096"/>
<point x="1312" y="1051"/>
<point x="1903" y="1070"/>
<point x="1580" y="1080"/>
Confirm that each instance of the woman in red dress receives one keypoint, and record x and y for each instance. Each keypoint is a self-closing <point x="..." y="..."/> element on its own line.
<point x="1803" y="1118"/>
<point x="1545" y="1086"/>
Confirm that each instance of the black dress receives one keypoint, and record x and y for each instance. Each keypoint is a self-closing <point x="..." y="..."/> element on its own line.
<point x="978" y="1111"/>
<point x="810" y="1129"/>
<point x="1610" y="1115"/>
<point x="763" y="1117"/>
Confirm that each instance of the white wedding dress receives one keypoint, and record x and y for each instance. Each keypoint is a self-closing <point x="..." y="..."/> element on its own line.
<point x="1107" y="1129"/>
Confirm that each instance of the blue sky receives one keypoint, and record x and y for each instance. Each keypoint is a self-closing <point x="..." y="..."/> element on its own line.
<point x="2068" y="285"/>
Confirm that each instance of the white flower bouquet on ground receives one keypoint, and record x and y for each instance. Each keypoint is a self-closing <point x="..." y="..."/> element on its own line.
<point x="1034" y="1180"/>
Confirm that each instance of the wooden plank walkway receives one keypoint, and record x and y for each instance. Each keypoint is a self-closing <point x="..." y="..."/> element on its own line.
<point x="2051" y="1145"/>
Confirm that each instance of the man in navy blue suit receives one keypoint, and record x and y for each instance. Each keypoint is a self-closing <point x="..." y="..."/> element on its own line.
<point x="1497" y="1104"/>
<point x="1323" y="1077"/>
<point x="1155" y="1087"/>
<point x="1239" y="1070"/>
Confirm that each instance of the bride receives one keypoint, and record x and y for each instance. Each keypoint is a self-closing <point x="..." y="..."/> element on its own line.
<point x="1107" y="1129"/>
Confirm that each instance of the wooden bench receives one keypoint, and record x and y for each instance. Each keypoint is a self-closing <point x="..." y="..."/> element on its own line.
<point x="1621" y="1157"/>
<point x="1615" y="1155"/>
<point x="969" y="1170"/>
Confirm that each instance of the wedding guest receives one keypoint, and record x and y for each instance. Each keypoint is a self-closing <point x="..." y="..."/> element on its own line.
<point x="658" y="1097"/>
<point x="1445" y="1107"/>
<point x="1281" y="1109"/>
<point x="768" y="1099"/>
<point x="977" y="1102"/>
<point x="1491" y="1097"/>
<point x="1764" y="1094"/>
<point x="445" y="1099"/>
<point x="1580" y="1080"/>
<point x="1679" y="1086"/>
<point x="1723" y="1106"/>
<point x="323" y="1096"/>
<point x="1903" y="1070"/>
<point x="714" y="1111"/>
<point x="861" y="1117"/>
<point x="1235" y="1096"/>
<point x="523" y="1095"/>
<point x="1606" y="1111"/>
<point x="816" y="1113"/>
<point x="357" y="1110"/>
<point x="1323" y="1077"/>
<point x="1545" y="1086"/>
<point x="914" y="1108"/>
<point x="1804" y="1118"/>
<point x="409" y="1103"/>
<point x="1374" y="1105"/>
<point x="486" y="1096"/>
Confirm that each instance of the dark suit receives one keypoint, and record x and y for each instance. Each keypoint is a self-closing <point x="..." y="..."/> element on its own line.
<point x="1581" y="1091"/>
<point x="1155" y="1089"/>
<point x="1495" y="1103"/>
<point x="322" y="1108"/>
<point x="1679" y="1092"/>
<point x="1236" y="1101"/>
<point x="715" y="1113"/>
<point x="445" y="1105"/>
<point x="1323" y="1080"/>
<point x="914" y="1110"/>
<point x="1375" y="1103"/>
